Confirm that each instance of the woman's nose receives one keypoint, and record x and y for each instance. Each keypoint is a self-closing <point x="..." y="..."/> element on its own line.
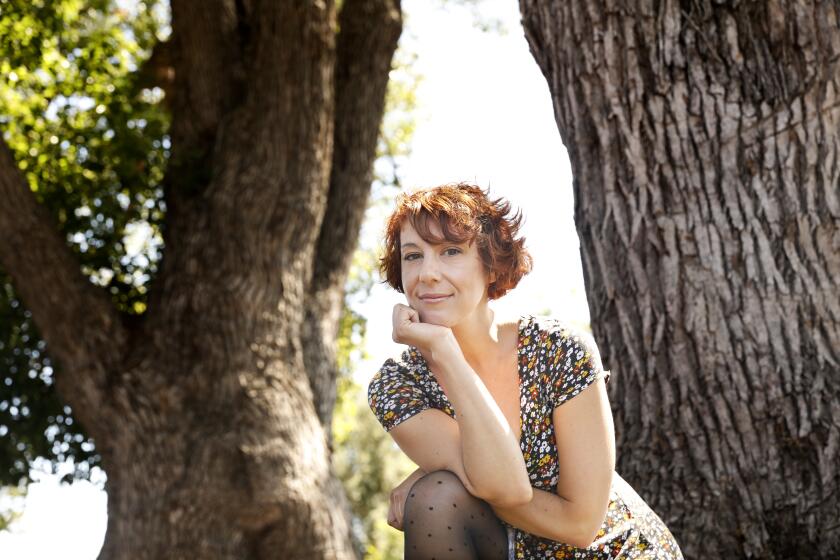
<point x="429" y="269"/>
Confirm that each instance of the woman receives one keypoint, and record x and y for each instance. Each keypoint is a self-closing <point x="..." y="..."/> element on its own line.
<point x="513" y="474"/>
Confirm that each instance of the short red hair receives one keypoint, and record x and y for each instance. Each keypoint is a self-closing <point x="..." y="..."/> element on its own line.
<point x="464" y="213"/>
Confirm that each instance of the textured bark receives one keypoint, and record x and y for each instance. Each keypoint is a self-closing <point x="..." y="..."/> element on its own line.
<point x="203" y="411"/>
<point x="361" y="78"/>
<point x="703" y="139"/>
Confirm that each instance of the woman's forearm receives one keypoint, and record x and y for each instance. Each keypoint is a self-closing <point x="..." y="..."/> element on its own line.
<point x="552" y="517"/>
<point x="493" y="462"/>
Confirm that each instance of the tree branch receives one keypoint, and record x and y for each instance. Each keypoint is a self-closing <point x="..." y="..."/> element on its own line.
<point x="362" y="68"/>
<point x="77" y="320"/>
<point x="369" y="31"/>
<point x="242" y="222"/>
<point x="203" y="56"/>
<point x="204" y="53"/>
<point x="208" y="68"/>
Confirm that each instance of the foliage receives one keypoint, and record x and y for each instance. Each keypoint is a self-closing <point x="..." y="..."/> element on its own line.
<point x="370" y="465"/>
<point x="91" y="142"/>
<point x="12" y="499"/>
<point x="365" y="459"/>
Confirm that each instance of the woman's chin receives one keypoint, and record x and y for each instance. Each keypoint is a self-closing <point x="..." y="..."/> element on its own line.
<point x="434" y="319"/>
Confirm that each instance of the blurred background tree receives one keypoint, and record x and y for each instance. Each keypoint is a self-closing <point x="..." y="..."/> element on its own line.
<point x="96" y="160"/>
<point x="86" y="114"/>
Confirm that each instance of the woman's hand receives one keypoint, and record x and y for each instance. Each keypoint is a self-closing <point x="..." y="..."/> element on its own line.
<point x="409" y="330"/>
<point x="398" y="498"/>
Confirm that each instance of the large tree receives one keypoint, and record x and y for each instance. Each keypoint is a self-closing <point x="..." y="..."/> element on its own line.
<point x="703" y="139"/>
<point x="210" y="403"/>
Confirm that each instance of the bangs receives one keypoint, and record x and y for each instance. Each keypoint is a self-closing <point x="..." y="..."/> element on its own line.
<point x="455" y="227"/>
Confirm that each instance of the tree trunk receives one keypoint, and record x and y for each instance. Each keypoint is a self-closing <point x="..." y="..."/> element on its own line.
<point x="361" y="78"/>
<point x="212" y="413"/>
<point x="703" y="137"/>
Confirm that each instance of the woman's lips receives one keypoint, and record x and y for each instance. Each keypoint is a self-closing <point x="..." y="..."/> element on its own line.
<point x="435" y="299"/>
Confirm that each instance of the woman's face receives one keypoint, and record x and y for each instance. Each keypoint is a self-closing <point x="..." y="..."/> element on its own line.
<point x="452" y="270"/>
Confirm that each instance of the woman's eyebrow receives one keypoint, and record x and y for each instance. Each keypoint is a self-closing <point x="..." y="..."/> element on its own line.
<point x="410" y="244"/>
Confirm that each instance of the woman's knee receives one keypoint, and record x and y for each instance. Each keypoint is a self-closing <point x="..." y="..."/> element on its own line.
<point x="438" y="487"/>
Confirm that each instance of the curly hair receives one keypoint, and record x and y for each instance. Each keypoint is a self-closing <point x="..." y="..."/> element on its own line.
<point x="464" y="212"/>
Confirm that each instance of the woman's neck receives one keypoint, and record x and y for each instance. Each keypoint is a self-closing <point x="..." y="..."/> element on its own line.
<point x="485" y="340"/>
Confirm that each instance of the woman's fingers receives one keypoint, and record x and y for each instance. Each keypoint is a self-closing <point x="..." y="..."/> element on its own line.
<point x="393" y="517"/>
<point x="399" y="512"/>
<point x="408" y="329"/>
<point x="403" y="319"/>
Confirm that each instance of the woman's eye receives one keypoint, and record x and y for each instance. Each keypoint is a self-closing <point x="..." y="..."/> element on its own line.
<point x="451" y="251"/>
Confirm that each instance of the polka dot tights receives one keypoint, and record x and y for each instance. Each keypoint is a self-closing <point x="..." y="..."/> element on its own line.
<point x="443" y="521"/>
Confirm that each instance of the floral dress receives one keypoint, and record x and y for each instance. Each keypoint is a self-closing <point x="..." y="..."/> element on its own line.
<point x="555" y="364"/>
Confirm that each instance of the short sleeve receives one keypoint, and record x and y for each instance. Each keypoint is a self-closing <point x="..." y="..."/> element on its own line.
<point x="573" y="364"/>
<point x="395" y="394"/>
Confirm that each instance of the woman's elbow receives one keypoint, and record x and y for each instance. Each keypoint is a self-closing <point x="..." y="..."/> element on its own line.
<point x="582" y="543"/>
<point x="588" y="534"/>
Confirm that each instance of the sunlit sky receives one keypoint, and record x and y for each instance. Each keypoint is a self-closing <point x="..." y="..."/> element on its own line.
<point x="485" y="116"/>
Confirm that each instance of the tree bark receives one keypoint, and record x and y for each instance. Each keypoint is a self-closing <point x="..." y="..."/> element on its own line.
<point x="361" y="78"/>
<point x="703" y="138"/>
<point x="213" y="436"/>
